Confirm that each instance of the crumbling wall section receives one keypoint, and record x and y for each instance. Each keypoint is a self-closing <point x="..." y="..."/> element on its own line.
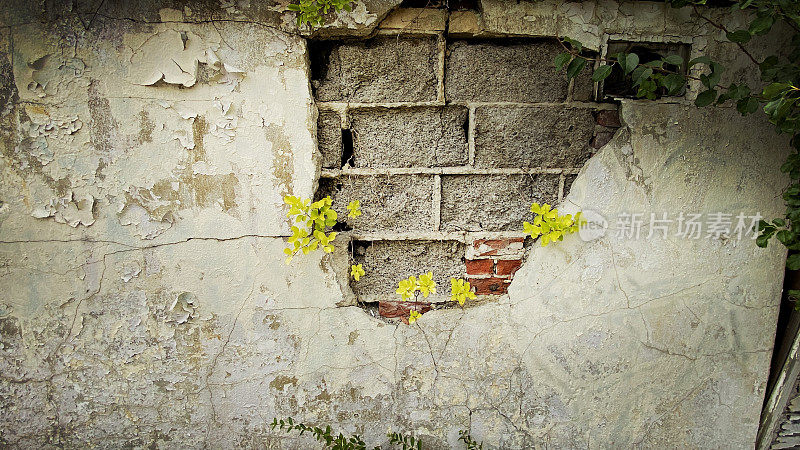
<point x="447" y="141"/>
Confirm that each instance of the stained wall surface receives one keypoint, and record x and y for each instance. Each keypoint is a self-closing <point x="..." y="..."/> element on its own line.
<point x="145" y="301"/>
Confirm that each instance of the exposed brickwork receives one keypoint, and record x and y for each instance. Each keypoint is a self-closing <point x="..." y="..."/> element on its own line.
<point x="490" y="286"/>
<point x="493" y="202"/>
<point x="508" y="267"/>
<point x="532" y="136"/>
<point x="382" y="69"/>
<point x="608" y="118"/>
<point x="410" y="137"/>
<point x="388" y="262"/>
<point x="401" y="309"/>
<point x="504" y="70"/>
<point x="437" y="162"/>
<point x="329" y="139"/>
<point x="480" y="267"/>
<point x="397" y="203"/>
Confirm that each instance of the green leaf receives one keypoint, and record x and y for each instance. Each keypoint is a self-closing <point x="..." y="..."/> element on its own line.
<point x="774" y="90"/>
<point x="655" y="64"/>
<point x="700" y="60"/>
<point x="779" y="222"/>
<point x="738" y="36"/>
<point x="794" y="293"/>
<point x="640" y="74"/>
<point x="785" y="236"/>
<point x="747" y="105"/>
<point x="673" y="82"/>
<point x="761" y="25"/>
<point x="575" y="67"/>
<point x="793" y="262"/>
<point x="674" y="60"/>
<point x="763" y="240"/>
<point x="576" y="45"/>
<point x="601" y="73"/>
<point x="561" y="60"/>
<point x="705" y="98"/>
<point x="631" y="62"/>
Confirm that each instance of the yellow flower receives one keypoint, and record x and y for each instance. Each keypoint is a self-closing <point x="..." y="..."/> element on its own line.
<point x="357" y="271"/>
<point x="426" y="284"/>
<point x="407" y="287"/>
<point x="460" y="291"/>
<point x="413" y="316"/>
<point x="355" y="208"/>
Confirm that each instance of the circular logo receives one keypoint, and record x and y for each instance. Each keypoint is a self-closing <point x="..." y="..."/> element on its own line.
<point x="593" y="227"/>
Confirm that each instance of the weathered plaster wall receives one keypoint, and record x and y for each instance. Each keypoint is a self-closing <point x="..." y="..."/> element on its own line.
<point x="145" y="300"/>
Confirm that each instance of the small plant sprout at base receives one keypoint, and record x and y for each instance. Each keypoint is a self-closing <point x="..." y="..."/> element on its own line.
<point x="356" y="271"/>
<point x="549" y="225"/>
<point x="311" y="221"/>
<point x="460" y="291"/>
<point x="354" y="209"/>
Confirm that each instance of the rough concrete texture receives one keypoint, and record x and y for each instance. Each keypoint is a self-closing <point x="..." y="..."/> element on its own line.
<point x="329" y="139"/>
<point x="197" y="337"/>
<point x="410" y="137"/>
<point x="493" y="202"/>
<point x="388" y="262"/>
<point x="382" y="69"/>
<point x="496" y="70"/>
<point x="532" y="136"/>
<point x="388" y="203"/>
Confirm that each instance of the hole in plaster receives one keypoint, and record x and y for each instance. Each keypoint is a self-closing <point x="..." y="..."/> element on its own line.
<point x="420" y="174"/>
<point x="347" y="148"/>
<point x="620" y="85"/>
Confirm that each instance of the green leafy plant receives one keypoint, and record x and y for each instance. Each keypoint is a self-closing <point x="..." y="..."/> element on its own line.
<point x="311" y="221"/>
<point x="471" y="444"/>
<point x="406" y="442"/>
<point x="324" y="436"/>
<point x="354" y="208"/>
<point x="341" y="442"/>
<point x="312" y="11"/>
<point x="551" y="226"/>
<point x="778" y="95"/>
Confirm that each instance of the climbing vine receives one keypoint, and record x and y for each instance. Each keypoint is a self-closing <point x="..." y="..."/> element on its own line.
<point x="354" y="442"/>
<point x="778" y="96"/>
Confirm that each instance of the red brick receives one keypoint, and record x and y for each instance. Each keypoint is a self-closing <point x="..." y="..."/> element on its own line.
<point x="608" y="118"/>
<point x="507" y="267"/>
<point x="602" y="138"/>
<point x="395" y="309"/>
<point x="480" y="266"/>
<point x="490" y="286"/>
<point x="496" y="246"/>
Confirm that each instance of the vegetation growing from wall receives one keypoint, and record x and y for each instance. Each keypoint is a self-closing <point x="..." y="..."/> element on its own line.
<point x="313" y="11"/>
<point x="779" y="98"/>
<point x="341" y="442"/>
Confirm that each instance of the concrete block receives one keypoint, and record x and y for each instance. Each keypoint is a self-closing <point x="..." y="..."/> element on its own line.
<point x="382" y="69"/>
<point x="495" y="70"/>
<point x="329" y="139"/>
<point x="416" y="19"/>
<point x="393" y="203"/>
<point x="388" y="262"/>
<point x="493" y="202"/>
<point x="410" y="137"/>
<point x="532" y="136"/>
